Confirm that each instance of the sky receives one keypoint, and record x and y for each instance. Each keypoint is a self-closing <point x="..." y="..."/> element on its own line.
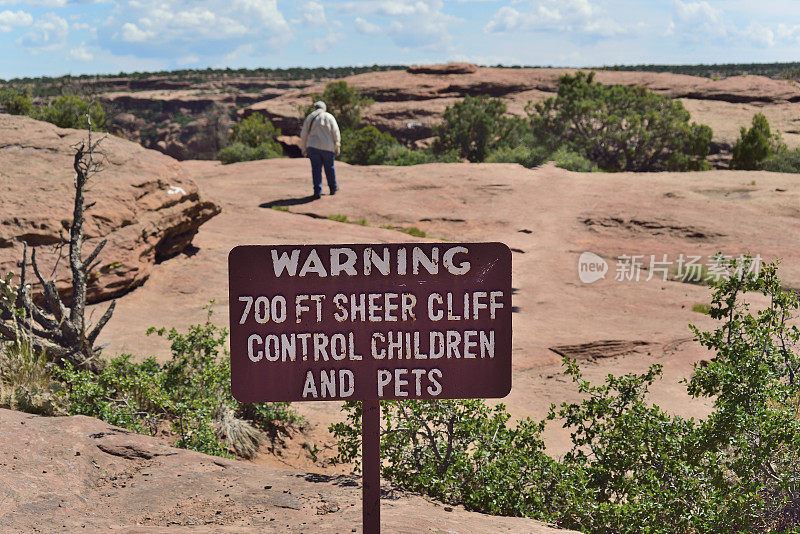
<point x="56" y="37"/>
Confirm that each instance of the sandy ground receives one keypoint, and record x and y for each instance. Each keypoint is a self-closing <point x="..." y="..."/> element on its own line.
<point x="548" y="216"/>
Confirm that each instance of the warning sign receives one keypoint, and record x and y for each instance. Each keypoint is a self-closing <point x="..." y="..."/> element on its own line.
<point x="370" y="322"/>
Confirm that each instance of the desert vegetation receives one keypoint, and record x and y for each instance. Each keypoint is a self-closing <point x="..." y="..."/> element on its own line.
<point x="788" y="70"/>
<point x="587" y="126"/>
<point x="366" y="145"/>
<point x="252" y="138"/>
<point x="758" y="148"/>
<point x="65" y="111"/>
<point x="632" y="466"/>
<point x="51" y="86"/>
<point x="50" y="362"/>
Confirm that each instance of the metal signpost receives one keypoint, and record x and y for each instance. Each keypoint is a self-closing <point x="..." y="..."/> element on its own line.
<point x="370" y="323"/>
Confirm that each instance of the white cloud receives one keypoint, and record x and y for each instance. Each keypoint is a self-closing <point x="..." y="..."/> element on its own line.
<point x="419" y="24"/>
<point x="366" y="27"/>
<point x="579" y="17"/>
<point x="789" y="33"/>
<point x="10" y="19"/>
<point x="81" y="53"/>
<point x="200" y="28"/>
<point x="325" y="44"/>
<point x="34" y="3"/>
<point x="132" y="34"/>
<point x="312" y="14"/>
<point x="760" y="35"/>
<point x="505" y="20"/>
<point x="47" y="34"/>
<point x="695" y="21"/>
<point x="698" y="21"/>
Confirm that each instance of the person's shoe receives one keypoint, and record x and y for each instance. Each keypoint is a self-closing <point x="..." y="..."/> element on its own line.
<point x="334" y="190"/>
<point x="315" y="196"/>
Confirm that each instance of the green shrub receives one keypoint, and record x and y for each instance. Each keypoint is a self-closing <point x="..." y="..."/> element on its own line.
<point x="526" y="155"/>
<point x="755" y="145"/>
<point x="15" y="102"/>
<point x="459" y="451"/>
<point x="367" y="146"/>
<point x="784" y="161"/>
<point x="632" y="467"/>
<point x="343" y="102"/>
<point x="190" y="392"/>
<point x="399" y="155"/>
<point x="370" y="146"/>
<point x="252" y="139"/>
<point x="565" y="158"/>
<point x="254" y="131"/>
<point x="241" y="152"/>
<point x="70" y="111"/>
<point x="473" y="128"/>
<point x="620" y="128"/>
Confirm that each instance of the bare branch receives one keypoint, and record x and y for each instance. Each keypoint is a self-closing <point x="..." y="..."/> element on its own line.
<point x="92" y="337"/>
<point x="91" y="257"/>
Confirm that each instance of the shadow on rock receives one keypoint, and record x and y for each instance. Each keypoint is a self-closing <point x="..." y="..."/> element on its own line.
<point x="288" y="202"/>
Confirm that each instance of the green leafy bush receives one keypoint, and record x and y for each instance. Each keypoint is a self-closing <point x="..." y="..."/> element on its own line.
<point x="784" y="161"/>
<point x="526" y="155"/>
<point x="370" y="146"/>
<point x="620" y="128"/>
<point x="755" y="144"/>
<point x="343" y="102"/>
<point x="70" y="111"/>
<point x="240" y="152"/>
<point x="252" y="139"/>
<point x="473" y="128"/>
<point x="15" y="102"/>
<point x="459" y="451"/>
<point x="401" y="156"/>
<point x="255" y="131"/>
<point x="572" y="161"/>
<point x="367" y="146"/>
<point x="190" y="393"/>
<point x="632" y="467"/>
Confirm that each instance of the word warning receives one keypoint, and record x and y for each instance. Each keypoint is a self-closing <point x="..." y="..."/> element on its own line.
<point x="370" y="322"/>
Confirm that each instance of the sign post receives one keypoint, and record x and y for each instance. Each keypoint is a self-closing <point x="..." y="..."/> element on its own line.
<point x="369" y="323"/>
<point x="371" y="465"/>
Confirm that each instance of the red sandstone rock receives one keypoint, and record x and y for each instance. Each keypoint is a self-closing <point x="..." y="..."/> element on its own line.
<point x="78" y="474"/>
<point x="142" y="203"/>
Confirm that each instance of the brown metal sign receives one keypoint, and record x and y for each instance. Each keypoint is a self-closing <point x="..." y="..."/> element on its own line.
<point x="370" y="322"/>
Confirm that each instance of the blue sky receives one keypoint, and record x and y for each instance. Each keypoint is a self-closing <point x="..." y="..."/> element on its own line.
<point x="55" y="37"/>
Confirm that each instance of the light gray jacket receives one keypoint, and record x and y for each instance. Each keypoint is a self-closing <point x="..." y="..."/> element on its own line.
<point x="321" y="131"/>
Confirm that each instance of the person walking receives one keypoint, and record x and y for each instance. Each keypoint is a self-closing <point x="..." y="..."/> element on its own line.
<point x="320" y="142"/>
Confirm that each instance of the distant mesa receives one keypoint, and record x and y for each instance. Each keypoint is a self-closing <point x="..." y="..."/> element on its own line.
<point x="444" y="68"/>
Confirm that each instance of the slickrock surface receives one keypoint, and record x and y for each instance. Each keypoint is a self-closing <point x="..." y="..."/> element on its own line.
<point x="143" y="203"/>
<point x="79" y="474"/>
<point x="548" y="217"/>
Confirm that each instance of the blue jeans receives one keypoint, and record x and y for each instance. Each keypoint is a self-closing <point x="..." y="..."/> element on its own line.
<point x="322" y="158"/>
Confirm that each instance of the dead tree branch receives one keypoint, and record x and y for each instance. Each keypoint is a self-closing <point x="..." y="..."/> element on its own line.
<point x="58" y="329"/>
